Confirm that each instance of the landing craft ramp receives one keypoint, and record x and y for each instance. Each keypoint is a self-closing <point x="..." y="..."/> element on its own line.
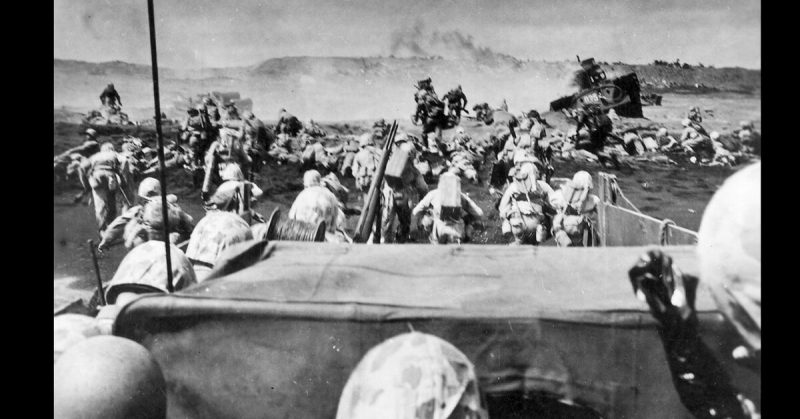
<point x="278" y="334"/>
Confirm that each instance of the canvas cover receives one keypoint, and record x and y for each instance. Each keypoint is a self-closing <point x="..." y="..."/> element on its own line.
<point x="279" y="337"/>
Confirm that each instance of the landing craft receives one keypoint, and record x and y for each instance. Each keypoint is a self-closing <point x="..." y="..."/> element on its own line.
<point x="621" y="94"/>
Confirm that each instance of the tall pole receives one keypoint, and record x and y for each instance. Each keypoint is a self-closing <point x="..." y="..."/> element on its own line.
<point x="163" y="172"/>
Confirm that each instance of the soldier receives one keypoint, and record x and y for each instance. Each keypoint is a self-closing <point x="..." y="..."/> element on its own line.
<point x="282" y="150"/>
<point x="749" y="138"/>
<point x="448" y="212"/>
<point x="504" y="105"/>
<point x="412" y="375"/>
<point x="222" y="152"/>
<point x="317" y="203"/>
<point x="600" y="128"/>
<point x="396" y="200"/>
<point x="695" y="115"/>
<point x="149" y="188"/>
<point x="214" y="233"/>
<point x="256" y="140"/>
<point x="103" y="175"/>
<point x="526" y="203"/>
<point x="149" y="225"/>
<point x="230" y="194"/>
<point x="110" y="98"/>
<point x="380" y="129"/>
<point x="577" y="212"/>
<point x="456" y="101"/>
<point x="665" y="141"/>
<point x="288" y="124"/>
<point x="231" y="112"/>
<point x="195" y="130"/>
<point x="365" y="164"/>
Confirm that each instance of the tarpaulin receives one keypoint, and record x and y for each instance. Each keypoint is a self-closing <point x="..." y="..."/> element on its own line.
<point x="279" y="337"/>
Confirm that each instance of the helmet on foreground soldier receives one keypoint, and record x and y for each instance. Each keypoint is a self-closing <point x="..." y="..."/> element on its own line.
<point x="144" y="270"/>
<point x="214" y="233"/>
<point x="365" y="140"/>
<point x="410" y="374"/>
<point x="149" y="188"/>
<point x="108" y="377"/>
<point x="69" y="329"/>
<point x="729" y="251"/>
<point x="311" y="178"/>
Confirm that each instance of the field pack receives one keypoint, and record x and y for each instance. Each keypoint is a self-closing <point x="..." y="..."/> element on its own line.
<point x="450" y="195"/>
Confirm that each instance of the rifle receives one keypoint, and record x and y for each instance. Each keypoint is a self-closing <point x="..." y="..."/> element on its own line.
<point x="371" y="207"/>
<point x="97" y="272"/>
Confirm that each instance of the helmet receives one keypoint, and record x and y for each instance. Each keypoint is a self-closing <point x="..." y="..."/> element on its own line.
<point x="714" y="136"/>
<point x="746" y="124"/>
<point x="686" y="122"/>
<point x="582" y="179"/>
<point x="108" y="377"/>
<point x="311" y="178"/>
<point x="144" y="270"/>
<point x="149" y="188"/>
<point x="69" y="329"/>
<point x="631" y="136"/>
<point x="729" y="251"/>
<point x="411" y="372"/>
<point x="400" y="137"/>
<point x="460" y="130"/>
<point x="365" y="140"/>
<point x="213" y="234"/>
<point x="232" y="172"/>
<point x="172" y="198"/>
<point x="107" y="147"/>
<point x="523" y="156"/>
<point x="662" y="132"/>
<point x="91" y="132"/>
<point x="153" y="217"/>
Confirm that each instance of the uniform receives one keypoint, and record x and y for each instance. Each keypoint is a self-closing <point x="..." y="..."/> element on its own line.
<point x="110" y="97"/>
<point x="456" y="101"/>
<point x="365" y="164"/>
<point x="412" y="375"/>
<point x="316" y="203"/>
<point x="441" y="230"/>
<point x="226" y="150"/>
<point x="396" y="202"/>
<point x="213" y="234"/>
<point x="149" y="225"/>
<point x="104" y="169"/>
<point x="577" y="214"/>
<point x="525" y="207"/>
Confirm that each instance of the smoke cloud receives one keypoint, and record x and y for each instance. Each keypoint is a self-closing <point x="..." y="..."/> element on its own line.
<point x="415" y="41"/>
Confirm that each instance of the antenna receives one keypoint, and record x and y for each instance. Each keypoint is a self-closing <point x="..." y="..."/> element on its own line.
<point x="162" y="165"/>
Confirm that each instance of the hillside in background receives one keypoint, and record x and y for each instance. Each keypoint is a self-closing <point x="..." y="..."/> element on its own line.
<point x="345" y="88"/>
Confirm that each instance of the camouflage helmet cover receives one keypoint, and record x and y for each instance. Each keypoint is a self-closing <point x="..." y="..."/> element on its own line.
<point x="144" y="269"/>
<point x="214" y="233"/>
<point x="413" y="375"/>
<point x="149" y="188"/>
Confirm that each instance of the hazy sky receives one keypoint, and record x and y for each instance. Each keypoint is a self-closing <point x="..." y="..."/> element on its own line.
<point x="218" y="33"/>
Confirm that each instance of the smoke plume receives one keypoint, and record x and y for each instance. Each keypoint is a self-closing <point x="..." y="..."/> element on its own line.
<point x="416" y="41"/>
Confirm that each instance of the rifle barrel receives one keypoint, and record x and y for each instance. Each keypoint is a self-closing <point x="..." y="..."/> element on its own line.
<point x="97" y="272"/>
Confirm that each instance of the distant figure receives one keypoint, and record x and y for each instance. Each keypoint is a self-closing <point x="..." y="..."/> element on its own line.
<point x="456" y="101"/>
<point x="110" y="97"/>
<point x="504" y="106"/>
<point x="288" y="124"/>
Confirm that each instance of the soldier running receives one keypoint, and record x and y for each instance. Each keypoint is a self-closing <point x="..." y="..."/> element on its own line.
<point x="456" y="102"/>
